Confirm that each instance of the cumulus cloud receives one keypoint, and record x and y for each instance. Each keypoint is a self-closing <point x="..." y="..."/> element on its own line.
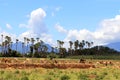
<point x="47" y="38"/>
<point x="60" y="28"/>
<point x="36" y="26"/>
<point x="36" y="21"/>
<point x="107" y="32"/>
<point x="8" y="26"/>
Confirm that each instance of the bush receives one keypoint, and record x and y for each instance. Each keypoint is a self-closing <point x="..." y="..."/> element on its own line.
<point x="1" y="72"/>
<point x="17" y="72"/>
<point x="24" y="78"/>
<point x="65" y="77"/>
<point x="83" y="77"/>
<point x="52" y="55"/>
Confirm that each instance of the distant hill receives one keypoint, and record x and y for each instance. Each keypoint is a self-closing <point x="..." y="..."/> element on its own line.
<point x="115" y="45"/>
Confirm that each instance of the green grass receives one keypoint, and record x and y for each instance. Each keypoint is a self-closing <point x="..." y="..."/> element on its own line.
<point x="61" y="74"/>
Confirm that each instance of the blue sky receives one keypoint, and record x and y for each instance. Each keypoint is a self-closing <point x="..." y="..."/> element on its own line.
<point x="51" y="20"/>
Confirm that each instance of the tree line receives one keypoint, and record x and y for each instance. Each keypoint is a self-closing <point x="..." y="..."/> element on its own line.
<point x="34" y="47"/>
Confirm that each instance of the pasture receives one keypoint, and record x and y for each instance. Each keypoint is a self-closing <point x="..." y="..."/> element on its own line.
<point x="58" y="69"/>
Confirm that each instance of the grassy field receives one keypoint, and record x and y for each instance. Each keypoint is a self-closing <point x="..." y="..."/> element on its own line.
<point x="60" y="74"/>
<point x="111" y="71"/>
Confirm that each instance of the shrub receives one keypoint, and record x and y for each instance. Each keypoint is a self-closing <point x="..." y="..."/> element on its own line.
<point x="65" y="77"/>
<point x="17" y="72"/>
<point x="1" y="72"/>
<point x="52" y="55"/>
<point x="24" y="78"/>
<point x="83" y="77"/>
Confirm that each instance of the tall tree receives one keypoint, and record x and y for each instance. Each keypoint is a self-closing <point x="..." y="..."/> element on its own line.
<point x="28" y="43"/>
<point x="16" y="44"/>
<point x="58" y="44"/>
<point x="2" y="43"/>
<point x="81" y="46"/>
<point x="89" y="44"/>
<point x="25" y="40"/>
<point x="32" y="46"/>
<point x="76" y="44"/>
<point x="83" y="43"/>
<point x="37" y="39"/>
<point x="71" y="44"/>
<point x="23" y="49"/>
<point x="8" y="39"/>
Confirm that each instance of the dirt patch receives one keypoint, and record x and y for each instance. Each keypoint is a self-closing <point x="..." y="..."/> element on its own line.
<point x="44" y="63"/>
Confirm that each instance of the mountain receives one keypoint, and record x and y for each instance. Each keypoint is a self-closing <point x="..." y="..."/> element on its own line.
<point x="115" y="45"/>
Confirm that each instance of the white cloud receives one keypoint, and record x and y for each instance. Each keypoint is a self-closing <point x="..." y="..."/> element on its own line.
<point x="60" y="28"/>
<point x="47" y="38"/>
<point x="8" y="26"/>
<point x="108" y="31"/>
<point x="36" y="21"/>
<point x="36" y="26"/>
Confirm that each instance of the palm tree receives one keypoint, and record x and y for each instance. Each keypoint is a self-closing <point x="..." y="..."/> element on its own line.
<point x="61" y="42"/>
<point x="2" y="43"/>
<point x="23" y="48"/>
<point x="71" y="43"/>
<point x="89" y="44"/>
<point x="6" y="47"/>
<point x="92" y="44"/>
<point x="8" y="42"/>
<point x="25" y="39"/>
<point x="16" y="44"/>
<point x="76" y="44"/>
<point x="27" y="43"/>
<point x="58" y="44"/>
<point x="81" y="46"/>
<point x="61" y="49"/>
<point x="37" y="39"/>
<point x="32" y="47"/>
<point x="83" y="43"/>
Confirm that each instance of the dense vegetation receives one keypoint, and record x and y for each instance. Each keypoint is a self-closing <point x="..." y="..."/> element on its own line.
<point x="38" y="48"/>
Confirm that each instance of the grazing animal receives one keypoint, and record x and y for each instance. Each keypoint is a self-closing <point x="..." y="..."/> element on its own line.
<point x="82" y="61"/>
<point x="5" y="60"/>
<point x="55" y="61"/>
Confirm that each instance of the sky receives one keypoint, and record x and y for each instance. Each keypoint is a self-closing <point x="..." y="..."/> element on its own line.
<point x="69" y="20"/>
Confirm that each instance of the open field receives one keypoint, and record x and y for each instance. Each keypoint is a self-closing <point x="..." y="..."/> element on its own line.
<point x="60" y="74"/>
<point x="58" y="69"/>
